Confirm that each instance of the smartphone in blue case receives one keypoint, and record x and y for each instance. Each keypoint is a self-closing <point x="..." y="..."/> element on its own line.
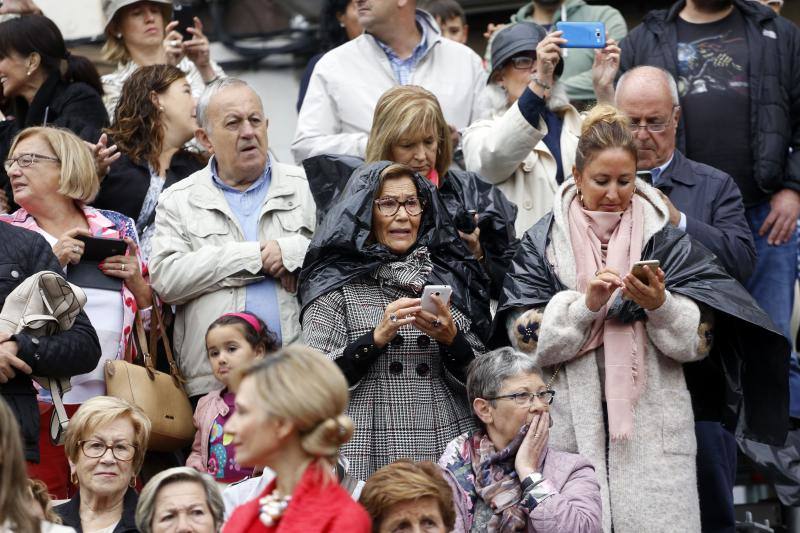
<point x="583" y="34"/>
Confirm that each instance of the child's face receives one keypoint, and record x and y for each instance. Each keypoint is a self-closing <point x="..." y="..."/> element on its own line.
<point x="228" y="349"/>
<point x="454" y="29"/>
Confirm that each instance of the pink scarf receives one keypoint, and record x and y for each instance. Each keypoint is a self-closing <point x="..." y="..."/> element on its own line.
<point x="624" y="343"/>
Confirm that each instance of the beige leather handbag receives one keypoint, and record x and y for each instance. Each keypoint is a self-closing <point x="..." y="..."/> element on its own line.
<point x="42" y="305"/>
<point x="159" y="395"/>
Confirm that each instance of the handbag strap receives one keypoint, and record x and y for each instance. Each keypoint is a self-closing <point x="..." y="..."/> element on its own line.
<point x="158" y="329"/>
<point x="59" y="419"/>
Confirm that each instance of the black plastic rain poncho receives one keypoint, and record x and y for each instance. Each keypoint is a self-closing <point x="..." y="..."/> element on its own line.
<point x="460" y="192"/>
<point x="744" y="382"/>
<point x="342" y="248"/>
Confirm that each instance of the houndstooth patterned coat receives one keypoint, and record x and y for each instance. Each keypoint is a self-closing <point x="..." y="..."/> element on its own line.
<point x="405" y="405"/>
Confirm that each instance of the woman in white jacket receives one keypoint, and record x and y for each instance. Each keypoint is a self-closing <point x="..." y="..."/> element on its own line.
<point x="527" y="147"/>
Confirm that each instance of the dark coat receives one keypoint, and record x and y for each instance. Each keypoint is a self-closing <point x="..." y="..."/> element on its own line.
<point x="76" y="351"/>
<point x="744" y="382"/>
<point x="774" y="80"/>
<point x="74" y="106"/>
<point x="714" y="212"/>
<point x="70" y="513"/>
<point x="125" y="186"/>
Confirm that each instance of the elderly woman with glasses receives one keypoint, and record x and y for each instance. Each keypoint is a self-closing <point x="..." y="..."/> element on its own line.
<point x="106" y="442"/>
<point x="507" y="477"/>
<point x="527" y="147"/>
<point x="386" y="237"/>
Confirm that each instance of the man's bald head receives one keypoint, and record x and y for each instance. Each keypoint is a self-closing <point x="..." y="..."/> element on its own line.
<point x="649" y="96"/>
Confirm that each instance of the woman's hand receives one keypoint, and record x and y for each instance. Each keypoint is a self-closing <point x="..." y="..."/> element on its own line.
<point x="649" y="296"/>
<point x="533" y="446"/>
<point x="440" y="326"/>
<point x="604" y="71"/>
<point x="126" y="268"/>
<point x="104" y="155"/>
<point x="601" y="288"/>
<point x="173" y="44"/>
<point x="548" y="54"/>
<point x="197" y="50"/>
<point x="473" y="241"/>
<point x="68" y="249"/>
<point x="398" y="313"/>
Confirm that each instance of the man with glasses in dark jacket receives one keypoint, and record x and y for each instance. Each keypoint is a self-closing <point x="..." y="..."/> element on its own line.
<point x="23" y="253"/>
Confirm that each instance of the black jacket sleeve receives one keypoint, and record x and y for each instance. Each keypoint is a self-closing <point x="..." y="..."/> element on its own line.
<point x="68" y="353"/>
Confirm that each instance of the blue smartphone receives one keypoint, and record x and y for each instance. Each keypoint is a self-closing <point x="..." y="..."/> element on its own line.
<point x="583" y="34"/>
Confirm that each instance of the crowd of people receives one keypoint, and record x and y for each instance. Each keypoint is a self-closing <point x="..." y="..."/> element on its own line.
<point x="544" y="289"/>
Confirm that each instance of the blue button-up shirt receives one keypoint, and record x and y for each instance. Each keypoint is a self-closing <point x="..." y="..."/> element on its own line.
<point x="260" y="298"/>
<point x="403" y="68"/>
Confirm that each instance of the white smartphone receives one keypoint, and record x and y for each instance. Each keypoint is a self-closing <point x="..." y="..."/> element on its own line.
<point x="441" y="291"/>
<point x="638" y="269"/>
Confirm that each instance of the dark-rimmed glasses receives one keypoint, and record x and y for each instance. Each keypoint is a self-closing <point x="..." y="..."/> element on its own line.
<point x="389" y="206"/>
<point x="525" y="399"/>
<point x="522" y="62"/>
<point x="26" y="160"/>
<point x="94" y="449"/>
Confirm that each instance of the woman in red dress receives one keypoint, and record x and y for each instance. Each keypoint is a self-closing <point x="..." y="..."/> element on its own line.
<point x="290" y="417"/>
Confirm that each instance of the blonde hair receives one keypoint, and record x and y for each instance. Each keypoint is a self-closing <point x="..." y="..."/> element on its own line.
<point x="101" y="411"/>
<point x="114" y="49"/>
<point x="15" y="502"/>
<point x="79" y="179"/>
<point x="604" y="128"/>
<point x="299" y="384"/>
<point x="409" y="111"/>
<point x="404" y="481"/>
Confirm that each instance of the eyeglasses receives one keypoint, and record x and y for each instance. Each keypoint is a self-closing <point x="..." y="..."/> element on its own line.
<point x="389" y="206"/>
<point x="525" y="399"/>
<point x="94" y="449"/>
<point x="652" y="128"/>
<point x="522" y="62"/>
<point x="26" y="160"/>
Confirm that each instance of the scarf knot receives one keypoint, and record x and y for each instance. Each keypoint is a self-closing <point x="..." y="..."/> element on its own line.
<point x="409" y="273"/>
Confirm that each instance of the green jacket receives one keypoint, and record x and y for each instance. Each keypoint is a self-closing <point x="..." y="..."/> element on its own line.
<point x="577" y="74"/>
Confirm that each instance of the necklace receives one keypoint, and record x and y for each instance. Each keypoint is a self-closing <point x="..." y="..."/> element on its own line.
<point x="272" y="507"/>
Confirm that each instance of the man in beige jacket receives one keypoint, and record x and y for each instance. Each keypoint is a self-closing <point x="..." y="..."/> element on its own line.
<point x="233" y="235"/>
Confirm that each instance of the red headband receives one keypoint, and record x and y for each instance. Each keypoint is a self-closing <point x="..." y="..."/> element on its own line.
<point x="250" y="319"/>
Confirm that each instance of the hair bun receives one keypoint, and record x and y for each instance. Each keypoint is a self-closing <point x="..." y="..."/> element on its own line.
<point x="605" y="114"/>
<point x="325" y="439"/>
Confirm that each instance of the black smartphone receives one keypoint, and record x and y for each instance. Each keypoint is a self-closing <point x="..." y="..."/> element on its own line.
<point x="97" y="248"/>
<point x="184" y="14"/>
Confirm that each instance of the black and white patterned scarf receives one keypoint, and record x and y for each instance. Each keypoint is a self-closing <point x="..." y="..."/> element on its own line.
<point x="410" y="273"/>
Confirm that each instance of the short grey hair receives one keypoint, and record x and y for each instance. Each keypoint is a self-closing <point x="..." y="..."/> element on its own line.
<point x="487" y="373"/>
<point x="672" y="86"/>
<point x="146" y="507"/>
<point x="210" y="91"/>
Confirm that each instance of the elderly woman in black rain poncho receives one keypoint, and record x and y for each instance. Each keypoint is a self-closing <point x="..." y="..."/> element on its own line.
<point x="384" y="238"/>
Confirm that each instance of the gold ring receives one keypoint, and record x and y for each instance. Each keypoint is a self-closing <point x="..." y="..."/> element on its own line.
<point x="123" y="267"/>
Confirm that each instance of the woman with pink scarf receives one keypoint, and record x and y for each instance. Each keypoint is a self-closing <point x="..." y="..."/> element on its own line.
<point x="623" y="402"/>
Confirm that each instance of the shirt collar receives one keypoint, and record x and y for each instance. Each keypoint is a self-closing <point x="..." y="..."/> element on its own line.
<point x="265" y="176"/>
<point x="656" y="172"/>
<point x="421" y="46"/>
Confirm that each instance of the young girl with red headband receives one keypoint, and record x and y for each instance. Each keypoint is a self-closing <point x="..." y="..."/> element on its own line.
<point x="233" y="341"/>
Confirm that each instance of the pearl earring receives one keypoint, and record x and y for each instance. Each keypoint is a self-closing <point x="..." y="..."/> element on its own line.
<point x="118" y="36"/>
<point x="161" y="108"/>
